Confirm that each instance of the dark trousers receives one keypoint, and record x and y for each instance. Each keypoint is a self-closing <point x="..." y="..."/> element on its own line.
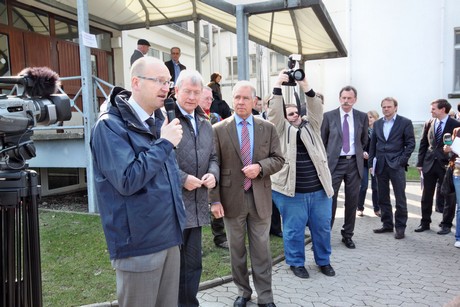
<point x="448" y="213"/>
<point x="430" y="179"/>
<point x="397" y="177"/>
<point x="347" y="172"/>
<point x="275" y="227"/>
<point x="363" y="191"/>
<point x="190" y="267"/>
<point x="218" y="230"/>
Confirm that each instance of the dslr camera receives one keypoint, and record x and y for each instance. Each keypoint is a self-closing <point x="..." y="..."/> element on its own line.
<point x="294" y="72"/>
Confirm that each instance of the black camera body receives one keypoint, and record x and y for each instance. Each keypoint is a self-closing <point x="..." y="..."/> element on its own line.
<point x="35" y="104"/>
<point x="294" y="72"/>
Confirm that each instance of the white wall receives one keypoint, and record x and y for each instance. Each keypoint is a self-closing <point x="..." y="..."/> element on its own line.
<point x="399" y="48"/>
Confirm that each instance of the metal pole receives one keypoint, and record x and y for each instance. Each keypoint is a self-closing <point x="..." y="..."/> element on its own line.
<point x="89" y="104"/>
<point x="242" y="43"/>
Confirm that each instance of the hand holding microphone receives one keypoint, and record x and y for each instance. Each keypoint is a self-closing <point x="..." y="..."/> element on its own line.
<point x="447" y="140"/>
<point x="173" y="130"/>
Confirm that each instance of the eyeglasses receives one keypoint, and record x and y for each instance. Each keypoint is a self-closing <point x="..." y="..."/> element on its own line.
<point x="170" y="84"/>
<point x="209" y="99"/>
<point x="292" y="113"/>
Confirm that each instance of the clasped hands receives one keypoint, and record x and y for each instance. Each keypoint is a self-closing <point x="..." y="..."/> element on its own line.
<point x="192" y="182"/>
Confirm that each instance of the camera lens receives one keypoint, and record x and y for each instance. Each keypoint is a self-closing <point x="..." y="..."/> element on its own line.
<point x="298" y="74"/>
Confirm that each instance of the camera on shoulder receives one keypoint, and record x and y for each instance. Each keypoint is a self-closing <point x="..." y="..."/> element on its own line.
<point x="294" y="72"/>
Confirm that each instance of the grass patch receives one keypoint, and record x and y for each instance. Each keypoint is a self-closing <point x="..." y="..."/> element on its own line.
<point x="412" y="174"/>
<point x="75" y="262"/>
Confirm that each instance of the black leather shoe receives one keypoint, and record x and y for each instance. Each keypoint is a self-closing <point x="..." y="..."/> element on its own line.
<point x="444" y="230"/>
<point x="327" y="270"/>
<point x="399" y="234"/>
<point x="240" y="302"/>
<point x="382" y="230"/>
<point x="422" y="228"/>
<point x="267" y="305"/>
<point x="277" y="234"/>
<point x="300" y="271"/>
<point x="348" y="242"/>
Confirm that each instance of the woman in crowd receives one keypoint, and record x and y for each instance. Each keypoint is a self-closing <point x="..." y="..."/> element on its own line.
<point x="373" y="116"/>
<point x="456" y="180"/>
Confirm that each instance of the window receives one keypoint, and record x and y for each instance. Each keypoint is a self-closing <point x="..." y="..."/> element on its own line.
<point x="232" y="63"/>
<point x="66" y="31"/>
<point x="62" y="177"/>
<point x="4" y="56"/>
<point x="30" y="21"/>
<point x="3" y="13"/>
<point x="154" y="53"/>
<point x="277" y="63"/>
<point x="457" y="62"/>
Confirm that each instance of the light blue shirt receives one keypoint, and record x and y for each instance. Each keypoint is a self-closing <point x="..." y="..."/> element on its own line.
<point x="250" y="125"/>
<point x="176" y="71"/>
<point x="387" y="125"/>
<point x="192" y="120"/>
<point x="143" y="116"/>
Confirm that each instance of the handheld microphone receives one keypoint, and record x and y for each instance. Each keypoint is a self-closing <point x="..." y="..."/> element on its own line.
<point x="170" y="110"/>
<point x="447" y="139"/>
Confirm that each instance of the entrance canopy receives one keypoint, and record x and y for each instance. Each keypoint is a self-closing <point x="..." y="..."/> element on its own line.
<point x="285" y="26"/>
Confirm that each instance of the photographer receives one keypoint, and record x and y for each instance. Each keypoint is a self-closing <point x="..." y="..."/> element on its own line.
<point x="302" y="190"/>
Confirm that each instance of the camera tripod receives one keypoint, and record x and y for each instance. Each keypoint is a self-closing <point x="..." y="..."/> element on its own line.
<point x="20" y="268"/>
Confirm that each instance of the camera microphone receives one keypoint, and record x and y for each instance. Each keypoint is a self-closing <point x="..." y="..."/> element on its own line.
<point x="170" y="110"/>
<point x="447" y="139"/>
<point x="40" y="81"/>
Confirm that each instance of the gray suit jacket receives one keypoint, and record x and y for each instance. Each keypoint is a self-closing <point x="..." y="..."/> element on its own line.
<point x="331" y="133"/>
<point x="267" y="152"/>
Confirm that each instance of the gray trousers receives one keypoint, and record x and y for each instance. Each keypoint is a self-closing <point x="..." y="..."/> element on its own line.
<point x="149" y="281"/>
<point x="259" y="248"/>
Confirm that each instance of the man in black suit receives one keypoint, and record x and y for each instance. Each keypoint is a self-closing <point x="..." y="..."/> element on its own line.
<point x="344" y="134"/>
<point x="432" y="162"/>
<point x="392" y="143"/>
<point x="174" y="67"/>
<point x="142" y="49"/>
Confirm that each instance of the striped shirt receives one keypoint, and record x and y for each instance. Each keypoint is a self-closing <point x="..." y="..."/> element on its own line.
<point x="307" y="180"/>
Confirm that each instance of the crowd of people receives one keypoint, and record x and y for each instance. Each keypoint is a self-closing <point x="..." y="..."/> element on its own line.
<point x="161" y="174"/>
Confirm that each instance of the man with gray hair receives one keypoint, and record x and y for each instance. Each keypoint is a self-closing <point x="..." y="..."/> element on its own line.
<point x="199" y="171"/>
<point x="248" y="150"/>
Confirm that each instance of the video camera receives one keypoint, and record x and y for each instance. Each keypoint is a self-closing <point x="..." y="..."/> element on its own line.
<point x="294" y="72"/>
<point x="35" y="103"/>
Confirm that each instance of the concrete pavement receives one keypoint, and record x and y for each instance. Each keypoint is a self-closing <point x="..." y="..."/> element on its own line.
<point x="422" y="269"/>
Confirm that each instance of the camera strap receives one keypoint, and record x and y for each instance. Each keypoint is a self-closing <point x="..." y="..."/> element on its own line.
<point x="297" y="101"/>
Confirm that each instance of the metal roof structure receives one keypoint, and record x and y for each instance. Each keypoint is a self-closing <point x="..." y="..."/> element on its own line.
<point x="285" y="26"/>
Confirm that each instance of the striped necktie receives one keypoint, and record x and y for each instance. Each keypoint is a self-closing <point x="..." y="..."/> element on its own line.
<point x="438" y="134"/>
<point x="245" y="152"/>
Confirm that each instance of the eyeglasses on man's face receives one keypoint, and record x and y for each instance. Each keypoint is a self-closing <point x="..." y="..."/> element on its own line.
<point x="293" y="113"/>
<point x="170" y="84"/>
<point x="210" y="99"/>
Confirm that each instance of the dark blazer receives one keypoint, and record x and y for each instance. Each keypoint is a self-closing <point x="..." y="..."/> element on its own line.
<point x="429" y="151"/>
<point x="331" y="133"/>
<point x="170" y="66"/>
<point x="397" y="149"/>
<point x="136" y="55"/>
<point x="267" y="152"/>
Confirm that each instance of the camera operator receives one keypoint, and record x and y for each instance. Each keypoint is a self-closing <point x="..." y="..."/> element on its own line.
<point x="138" y="188"/>
<point x="302" y="190"/>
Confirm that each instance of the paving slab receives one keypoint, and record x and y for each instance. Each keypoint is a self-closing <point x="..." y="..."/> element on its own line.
<point x="423" y="269"/>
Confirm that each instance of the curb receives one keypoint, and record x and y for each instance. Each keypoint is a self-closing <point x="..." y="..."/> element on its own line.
<point x="203" y="285"/>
